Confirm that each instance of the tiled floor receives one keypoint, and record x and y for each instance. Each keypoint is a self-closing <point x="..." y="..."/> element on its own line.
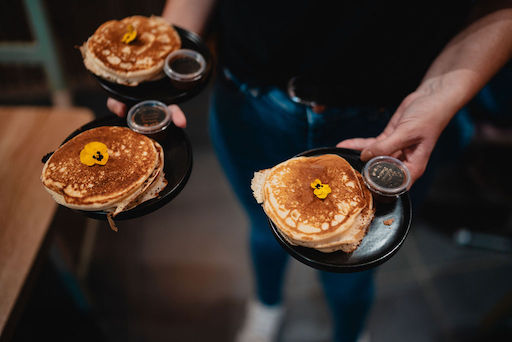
<point x="182" y="272"/>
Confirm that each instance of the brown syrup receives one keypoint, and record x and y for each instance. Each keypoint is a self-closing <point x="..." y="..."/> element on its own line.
<point x="149" y="117"/>
<point x="184" y="65"/>
<point x="387" y="175"/>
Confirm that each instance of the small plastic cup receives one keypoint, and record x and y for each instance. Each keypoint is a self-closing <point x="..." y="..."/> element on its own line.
<point x="150" y="118"/>
<point x="185" y="68"/>
<point x="386" y="177"/>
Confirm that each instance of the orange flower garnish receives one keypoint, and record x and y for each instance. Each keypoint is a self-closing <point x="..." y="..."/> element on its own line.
<point x="130" y="35"/>
<point x="94" y="153"/>
<point x="320" y="190"/>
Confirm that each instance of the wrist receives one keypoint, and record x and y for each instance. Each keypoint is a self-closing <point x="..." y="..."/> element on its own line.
<point x="192" y="15"/>
<point x="450" y="92"/>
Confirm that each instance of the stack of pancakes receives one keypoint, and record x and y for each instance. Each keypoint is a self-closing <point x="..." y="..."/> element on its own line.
<point x="130" y="63"/>
<point x="337" y="222"/>
<point x="132" y="174"/>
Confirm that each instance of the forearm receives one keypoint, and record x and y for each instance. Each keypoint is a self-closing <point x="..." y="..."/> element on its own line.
<point x="192" y="15"/>
<point x="469" y="60"/>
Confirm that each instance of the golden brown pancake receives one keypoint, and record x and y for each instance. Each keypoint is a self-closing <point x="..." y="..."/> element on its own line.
<point x="338" y="222"/>
<point x="134" y="167"/>
<point x="106" y="55"/>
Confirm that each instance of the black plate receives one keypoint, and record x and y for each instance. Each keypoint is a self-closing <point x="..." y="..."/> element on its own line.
<point x="177" y="167"/>
<point x="379" y="244"/>
<point x="163" y="90"/>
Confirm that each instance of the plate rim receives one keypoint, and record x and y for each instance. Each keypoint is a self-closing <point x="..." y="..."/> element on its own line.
<point x="110" y="87"/>
<point x="292" y="250"/>
<point x="152" y="204"/>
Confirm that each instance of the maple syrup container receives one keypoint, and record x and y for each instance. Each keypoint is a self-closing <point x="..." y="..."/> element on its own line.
<point x="386" y="177"/>
<point x="150" y="118"/>
<point x="185" y="68"/>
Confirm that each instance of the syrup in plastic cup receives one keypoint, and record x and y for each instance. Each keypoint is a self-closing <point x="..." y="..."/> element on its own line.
<point x="150" y="118"/>
<point x="184" y="67"/>
<point x="386" y="177"/>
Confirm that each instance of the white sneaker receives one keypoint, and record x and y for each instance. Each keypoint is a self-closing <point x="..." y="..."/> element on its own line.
<point x="364" y="337"/>
<point x="261" y="322"/>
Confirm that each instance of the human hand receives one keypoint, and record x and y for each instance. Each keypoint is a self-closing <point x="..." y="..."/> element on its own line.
<point x="410" y="135"/>
<point x="119" y="109"/>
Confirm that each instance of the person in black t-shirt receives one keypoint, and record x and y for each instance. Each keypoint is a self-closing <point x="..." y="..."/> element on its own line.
<point x="392" y="79"/>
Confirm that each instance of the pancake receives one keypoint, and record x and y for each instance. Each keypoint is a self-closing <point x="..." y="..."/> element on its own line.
<point x="337" y="222"/>
<point x="130" y="63"/>
<point x="132" y="174"/>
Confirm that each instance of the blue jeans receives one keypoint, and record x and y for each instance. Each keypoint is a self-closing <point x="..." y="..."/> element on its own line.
<point x="254" y="129"/>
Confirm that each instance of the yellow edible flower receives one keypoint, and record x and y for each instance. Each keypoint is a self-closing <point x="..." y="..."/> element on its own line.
<point x="94" y="153"/>
<point x="130" y="35"/>
<point x="320" y="190"/>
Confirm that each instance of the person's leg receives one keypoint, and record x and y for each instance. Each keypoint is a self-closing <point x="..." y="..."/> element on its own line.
<point x="349" y="297"/>
<point x="250" y="134"/>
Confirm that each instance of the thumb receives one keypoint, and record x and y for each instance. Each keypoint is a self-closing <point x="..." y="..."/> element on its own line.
<point x="116" y="107"/>
<point x="384" y="147"/>
<point x="356" y="143"/>
<point x="178" y="117"/>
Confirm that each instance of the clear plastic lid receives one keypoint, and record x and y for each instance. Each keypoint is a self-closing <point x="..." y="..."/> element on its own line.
<point x="148" y="117"/>
<point x="386" y="176"/>
<point x="184" y="65"/>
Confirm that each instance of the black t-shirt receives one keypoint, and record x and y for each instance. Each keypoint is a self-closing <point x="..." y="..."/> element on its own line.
<point x="363" y="52"/>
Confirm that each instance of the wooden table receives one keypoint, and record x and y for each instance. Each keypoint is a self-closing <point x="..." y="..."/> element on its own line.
<point x="26" y="209"/>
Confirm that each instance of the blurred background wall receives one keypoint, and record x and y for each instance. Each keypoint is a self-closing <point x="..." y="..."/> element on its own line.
<point x="71" y="22"/>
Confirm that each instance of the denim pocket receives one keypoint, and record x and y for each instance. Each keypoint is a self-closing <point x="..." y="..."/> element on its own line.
<point x="277" y="97"/>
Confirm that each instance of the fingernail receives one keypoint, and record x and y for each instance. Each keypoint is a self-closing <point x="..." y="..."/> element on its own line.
<point x="366" y="155"/>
